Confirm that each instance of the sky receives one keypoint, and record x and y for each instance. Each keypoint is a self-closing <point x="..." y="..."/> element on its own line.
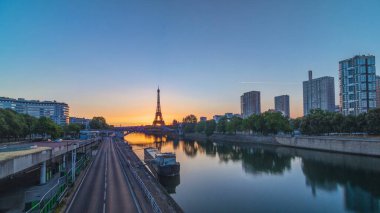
<point x="107" y="58"/>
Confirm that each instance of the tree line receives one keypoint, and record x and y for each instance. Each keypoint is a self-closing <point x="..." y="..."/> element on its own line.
<point x="317" y="122"/>
<point x="264" y="124"/>
<point x="17" y="126"/>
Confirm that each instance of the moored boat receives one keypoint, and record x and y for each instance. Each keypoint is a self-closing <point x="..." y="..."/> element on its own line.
<point x="163" y="164"/>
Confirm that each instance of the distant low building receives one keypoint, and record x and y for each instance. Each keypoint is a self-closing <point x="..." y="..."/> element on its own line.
<point x="217" y="118"/>
<point x="81" y="121"/>
<point x="229" y="115"/>
<point x="204" y="119"/>
<point x="238" y="115"/>
<point x="58" y="112"/>
<point x="87" y="134"/>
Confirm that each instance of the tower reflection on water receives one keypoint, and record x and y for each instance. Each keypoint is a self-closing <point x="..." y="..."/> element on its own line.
<point x="141" y="141"/>
<point x="357" y="178"/>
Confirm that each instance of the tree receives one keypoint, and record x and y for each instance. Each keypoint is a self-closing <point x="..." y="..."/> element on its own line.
<point x="373" y="121"/>
<point x="189" y="123"/>
<point x="4" y="128"/>
<point x="30" y="123"/>
<point x="337" y="122"/>
<point x="250" y="123"/>
<point x="259" y="124"/>
<point x="317" y="122"/>
<point x="221" y="126"/>
<point x="229" y="127"/>
<point x="361" y="122"/>
<point x="200" y="127"/>
<point x="73" y="129"/>
<point x="190" y="119"/>
<point x="98" y="123"/>
<point x="235" y="124"/>
<point x="15" y="124"/>
<point x="210" y="127"/>
<point x="45" y="126"/>
<point x="349" y="124"/>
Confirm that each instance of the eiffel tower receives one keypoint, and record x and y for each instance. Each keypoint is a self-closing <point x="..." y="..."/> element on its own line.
<point x="158" y="121"/>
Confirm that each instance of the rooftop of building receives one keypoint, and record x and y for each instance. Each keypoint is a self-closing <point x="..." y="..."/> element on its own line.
<point x="251" y="92"/>
<point x="320" y="78"/>
<point x="356" y="56"/>
<point x="73" y="117"/>
<point x="281" y="96"/>
<point x="30" y="101"/>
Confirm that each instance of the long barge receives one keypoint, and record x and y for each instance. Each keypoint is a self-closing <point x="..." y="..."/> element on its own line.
<point x="164" y="164"/>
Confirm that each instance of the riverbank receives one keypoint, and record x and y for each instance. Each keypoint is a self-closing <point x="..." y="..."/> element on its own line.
<point x="360" y="146"/>
<point x="350" y="145"/>
<point x="155" y="193"/>
<point x="271" y="140"/>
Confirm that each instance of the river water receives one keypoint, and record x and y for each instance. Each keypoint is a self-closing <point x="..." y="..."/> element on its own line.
<point x="240" y="177"/>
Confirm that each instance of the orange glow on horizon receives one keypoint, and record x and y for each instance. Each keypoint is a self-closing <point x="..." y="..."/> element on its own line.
<point x="140" y="117"/>
<point x="127" y="110"/>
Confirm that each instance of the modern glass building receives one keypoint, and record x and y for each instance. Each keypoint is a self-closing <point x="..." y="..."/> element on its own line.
<point x="58" y="112"/>
<point x="281" y="104"/>
<point x="318" y="93"/>
<point x="357" y="77"/>
<point x="250" y="103"/>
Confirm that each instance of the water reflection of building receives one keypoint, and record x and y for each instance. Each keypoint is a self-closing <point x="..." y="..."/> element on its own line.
<point x="356" y="176"/>
<point x="359" y="200"/>
<point x="265" y="160"/>
<point x="361" y="187"/>
<point x="255" y="159"/>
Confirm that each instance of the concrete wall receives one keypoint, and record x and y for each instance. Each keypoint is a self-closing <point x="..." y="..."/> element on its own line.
<point x="20" y="163"/>
<point x="234" y="138"/>
<point x="361" y="146"/>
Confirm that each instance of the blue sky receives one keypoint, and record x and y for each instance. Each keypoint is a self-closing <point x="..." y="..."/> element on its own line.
<point x="107" y="57"/>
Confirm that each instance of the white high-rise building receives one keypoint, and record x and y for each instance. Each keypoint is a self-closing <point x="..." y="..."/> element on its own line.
<point x="357" y="77"/>
<point x="58" y="112"/>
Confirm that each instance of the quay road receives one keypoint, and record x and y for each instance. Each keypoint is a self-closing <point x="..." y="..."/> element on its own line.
<point x="108" y="186"/>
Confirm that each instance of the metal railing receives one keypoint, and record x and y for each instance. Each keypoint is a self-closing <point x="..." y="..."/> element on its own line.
<point x="142" y="186"/>
<point x="148" y="195"/>
<point x="50" y="198"/>
<point x="56" y="193"/>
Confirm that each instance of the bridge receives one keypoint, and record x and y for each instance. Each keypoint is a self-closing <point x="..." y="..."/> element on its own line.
<point x="149" y="130"/>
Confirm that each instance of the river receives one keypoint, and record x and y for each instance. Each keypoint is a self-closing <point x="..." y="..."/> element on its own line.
<point x="238" y="177"/>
